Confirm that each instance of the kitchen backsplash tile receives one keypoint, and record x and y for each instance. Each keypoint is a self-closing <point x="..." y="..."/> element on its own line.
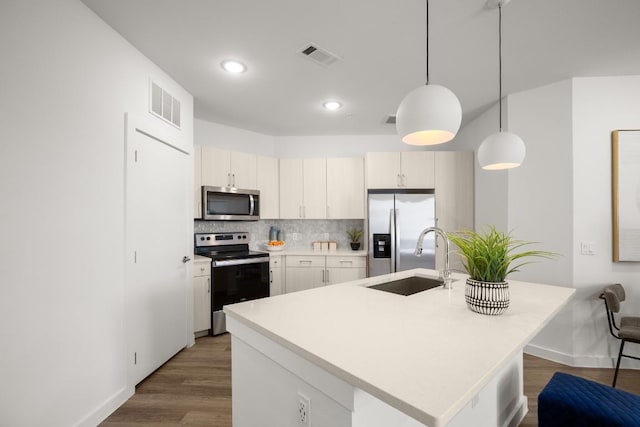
<point x="308" y="230"/>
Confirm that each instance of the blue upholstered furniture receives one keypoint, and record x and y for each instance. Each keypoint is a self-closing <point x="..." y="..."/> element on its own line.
<point x="569" y="401"/>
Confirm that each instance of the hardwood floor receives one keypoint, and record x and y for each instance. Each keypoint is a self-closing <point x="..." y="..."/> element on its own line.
<point x="194" y="388"/>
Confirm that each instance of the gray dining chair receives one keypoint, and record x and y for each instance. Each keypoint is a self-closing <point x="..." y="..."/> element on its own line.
<point x="629" y="329"/>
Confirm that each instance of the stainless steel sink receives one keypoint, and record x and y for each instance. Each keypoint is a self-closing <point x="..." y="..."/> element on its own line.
<point x="409" y="285"/>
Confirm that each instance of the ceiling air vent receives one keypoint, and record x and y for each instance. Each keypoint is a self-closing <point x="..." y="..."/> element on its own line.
<point x="390" y="119"/>
<point x="163" y="105"/>
<point x="319" y="55"/>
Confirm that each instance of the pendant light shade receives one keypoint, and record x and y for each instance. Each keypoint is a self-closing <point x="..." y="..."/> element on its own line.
<point x="501" y="150"/>
<point x="428" y="115"/>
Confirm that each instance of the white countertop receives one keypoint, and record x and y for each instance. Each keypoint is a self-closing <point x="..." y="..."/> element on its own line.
<point x="425" y="354"/>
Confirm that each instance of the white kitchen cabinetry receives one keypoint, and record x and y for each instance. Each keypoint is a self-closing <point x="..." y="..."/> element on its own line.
<point x="275" y="275"/>
<point x="345" y="188"/>
<point x="303" y="188"/>
<point x="307" y="272"/>
<point x="304" y="272"/>
<point x="222" y="168"/>
<point x="267" y="182"/>
<point x="201" y="295"/>
<point x="454" y="196"/>
<point x="197" y="181"/>
<point x="345" y="269"/>
<point x="407" y="169"/>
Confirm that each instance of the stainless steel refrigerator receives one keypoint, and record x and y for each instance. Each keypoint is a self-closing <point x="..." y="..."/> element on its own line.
<point x="396" y="219"/>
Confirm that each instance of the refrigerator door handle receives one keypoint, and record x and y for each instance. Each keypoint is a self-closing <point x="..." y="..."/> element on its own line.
<point x="396" y="240"/>
<point x="392" y="231"/>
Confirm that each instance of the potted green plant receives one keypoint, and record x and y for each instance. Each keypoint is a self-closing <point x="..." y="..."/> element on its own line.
<point x="489" y="257"/>
<point x="355" y="234"/>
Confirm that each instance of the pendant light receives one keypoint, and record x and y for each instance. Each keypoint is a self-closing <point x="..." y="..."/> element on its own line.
<point x="430" y="114"/>
<point x="501" y="150"/>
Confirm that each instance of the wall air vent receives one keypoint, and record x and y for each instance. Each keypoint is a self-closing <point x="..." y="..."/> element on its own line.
<point x="319" y="55"/>
<point x="390" y="119"/>
<point x="163" y="105"/>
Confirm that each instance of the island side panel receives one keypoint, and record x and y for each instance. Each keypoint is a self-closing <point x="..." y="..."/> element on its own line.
<point x="266" y="393"/>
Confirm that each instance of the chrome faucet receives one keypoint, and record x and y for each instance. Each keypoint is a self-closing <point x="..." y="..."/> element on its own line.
<point x="445" y="275"/>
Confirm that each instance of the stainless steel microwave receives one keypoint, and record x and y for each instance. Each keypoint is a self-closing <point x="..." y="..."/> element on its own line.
<point x="230" y="204"/>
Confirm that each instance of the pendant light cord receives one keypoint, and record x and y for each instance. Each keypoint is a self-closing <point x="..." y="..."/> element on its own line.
<point x="427" y="56"/>
<point x="500" y="60"/>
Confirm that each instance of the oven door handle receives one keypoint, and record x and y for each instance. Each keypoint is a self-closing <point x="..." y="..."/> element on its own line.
<point x="239" y="262"/>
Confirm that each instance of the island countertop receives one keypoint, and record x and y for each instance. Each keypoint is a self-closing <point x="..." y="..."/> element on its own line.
<point x="425" y="354"/>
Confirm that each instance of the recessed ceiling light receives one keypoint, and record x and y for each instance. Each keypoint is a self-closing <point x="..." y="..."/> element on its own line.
<point x="332" y="105"/>
<point x="233" y="66"/>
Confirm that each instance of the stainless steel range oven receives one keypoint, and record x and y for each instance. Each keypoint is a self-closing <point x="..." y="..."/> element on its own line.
<point x="237" y="274"/>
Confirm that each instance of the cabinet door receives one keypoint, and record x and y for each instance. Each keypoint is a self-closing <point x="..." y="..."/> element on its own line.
<point x="291" y="188"/>
<point x="201" y="303"/>
<point x="417" y="169"/>
<point x="315" y="188"/>
<point x="267" y="182"/>
<point x="243" y="170"/>
<point x="197" y="181"/>
<point x="275" y="281"/>
<point x="216" y="167"/>
<point x="345" y="188"/>
<point x="302" y="278"/>
<point x="383" y="170"/>
<point x="454" y="197"/>
<point x="341" y="275"/>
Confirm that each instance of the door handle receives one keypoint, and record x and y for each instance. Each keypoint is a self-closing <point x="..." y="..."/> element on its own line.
<point x="233" y="178"/>
<point x="186" y="259"/>
<point x="208" y="285"/>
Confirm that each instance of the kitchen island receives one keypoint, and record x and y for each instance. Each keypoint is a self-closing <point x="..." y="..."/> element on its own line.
<point x="352" y="356"/>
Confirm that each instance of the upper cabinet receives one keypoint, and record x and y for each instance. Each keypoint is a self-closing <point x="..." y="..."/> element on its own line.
<point x="407" y="169"/>
<point x="267" y="183"/>
<point x="222" y="168"/>
<point x="345" y="188"/>
<point x="322" y="188"/>
<point x="303" y="188"/>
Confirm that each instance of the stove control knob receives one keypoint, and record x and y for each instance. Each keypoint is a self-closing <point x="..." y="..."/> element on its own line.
<point x="201" y="238"/>
<point x="208" y="238"/>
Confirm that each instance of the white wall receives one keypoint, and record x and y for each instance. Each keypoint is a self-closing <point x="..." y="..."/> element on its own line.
<point x="66" y="81"/>
<point x="234" y="139"/>
<point x="540" y="195"/>
<point x="490" y="190"/>
<point x="561" y="196"/>
<point x="600" y="105"/>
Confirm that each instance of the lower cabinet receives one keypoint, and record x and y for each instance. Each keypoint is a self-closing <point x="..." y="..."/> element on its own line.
<point x="275" y="275"/>
<point x="201" y="295"/>
<point x="307" y="272"/>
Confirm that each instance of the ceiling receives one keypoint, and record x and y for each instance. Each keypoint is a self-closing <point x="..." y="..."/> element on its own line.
<point x="381" y="44"/>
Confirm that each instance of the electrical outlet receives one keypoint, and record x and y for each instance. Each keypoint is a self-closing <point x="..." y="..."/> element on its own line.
<point x="304" y="411"/>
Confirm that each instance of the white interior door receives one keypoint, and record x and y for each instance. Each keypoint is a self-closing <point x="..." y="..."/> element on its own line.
<point x="157" y="236"/>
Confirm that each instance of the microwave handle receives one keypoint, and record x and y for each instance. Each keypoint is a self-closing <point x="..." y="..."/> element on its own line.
<point x="252" y="205"/>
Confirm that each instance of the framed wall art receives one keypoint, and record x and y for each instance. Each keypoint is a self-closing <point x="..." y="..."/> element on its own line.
<point x="625" y="146"/>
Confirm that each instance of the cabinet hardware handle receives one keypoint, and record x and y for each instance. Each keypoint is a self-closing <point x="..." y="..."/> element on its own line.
<point x="399" y="180"/>
<point x="327" y="276"/>
<point x="323" y="275"/>
<point x="229" y="179"/>
<point x="208" y="285"/>
<point x="270" y="276"/>
<point x="300" y="211"/>
<point x="346" y="260"/>
<point x="307" y="261"/>
<point x="185" y="259"/>
<point x="404" y="180"/>
<point x="233" y="177"/>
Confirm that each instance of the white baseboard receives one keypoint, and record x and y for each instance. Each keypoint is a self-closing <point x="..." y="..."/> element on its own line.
<point x="103" y="411"/>
<point x="580" y="361"/>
